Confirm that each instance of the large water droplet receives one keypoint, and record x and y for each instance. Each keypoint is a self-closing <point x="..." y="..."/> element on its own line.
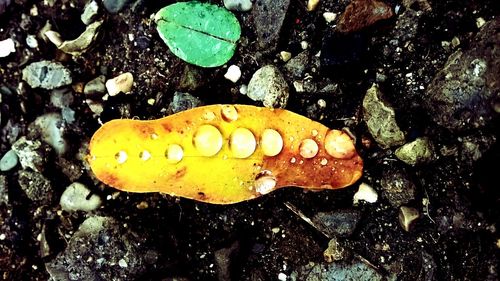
<point x="339" y="145"/>
<point x="308" y="148"/>
<point x="144" y="155"/>
<point x="271" y="142"/>
<point x="174" y="153"/>
<point x="242" y="143"/>
<point x="121" y="156"/>
<point x="208" y="140"/>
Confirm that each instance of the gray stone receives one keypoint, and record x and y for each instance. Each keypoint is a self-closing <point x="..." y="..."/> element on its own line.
<point x="337" y="271"/>
<point x="4" y="192"/>
<point x="268" y="86"/>
<point x="418" y="151"/>
<point x="397" y="187"/>
<point x="90" y="12"/>
<point x="50" y="127"/>
<point x="61" y="98"/>
<point x="238" y="5"/>
<point x="381" y="119"/>
<point x="268" y="19"/>
<point x="115" y="6"/>
<point x="95" y="252"/>
<point x="95" y="86"/>
<point x="223" y="259"/>
<point x="182" y="101"/>
<point x="36" y="187"/>
<point x="47" y="75"/>
<point x="9" y="160"/>
<point x="297" y="65"/>
<point x="32" y="153"/>
<point x="338" y="223"/>
<point x="462" y="96"/>
<point x="75" y="198"/>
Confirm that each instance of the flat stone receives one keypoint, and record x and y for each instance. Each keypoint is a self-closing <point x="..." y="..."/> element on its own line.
<point x="75" y="198"/>
<point x="36" y="187"/>
<point x="268" y="86"/>
<point x="32" y="153"/>
<point x="95" y="86"/>
<point x="9" y="160"/>
<point x="339" y="223"/>
<point x="416" y="152"/>
<point x="83" y="42"/>
<point x="268" y="19"/>
<point x="47" y="75"/>
<point x="462" y="96"/>
<point x="90" y="12"/>
<point x="360" y="14"/>
<point x="381" y="119"/>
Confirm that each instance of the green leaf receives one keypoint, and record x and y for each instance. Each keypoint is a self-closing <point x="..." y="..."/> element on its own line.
<point x="199" y="33"/>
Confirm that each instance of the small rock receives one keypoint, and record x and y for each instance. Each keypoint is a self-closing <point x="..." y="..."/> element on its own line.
<point x="90" y="12"/>
<point x="407" y="216"/>
<point x="106" y="242"/>
<point x="472" y="147"/>
<point x="95" y="107"/>
<point x="47" y="75"/>
<point x="418" y="151"/>
<point x="268" y="86"/>
<point x="50" y="127"/>
<point x="8" y="161"/>
<point x="363" y="13"/>
<point x="115" y="6"/>
<point x="268" y="19"/>
<point x="81" y="44"/>
<point x="4" y="193"/>
<point x="238" y="5"/>
<point x="54" y="37"/>
<point x="312" y="4"/>
<point x="233" y="73"/>
<point x="36" y="187"/>
<point x="336" y="251"/>
<point x="329" y="16"/>
<point x="365" y="193"/>
<point x="285" y="56"/>
<point x="31" y="41"/>
<point x="32" y="153"/>
<point x="95" y="86"/>
<point x="462" y="95"/>
<point x="223" y="258"/>
<point x="397" y="187"/>
<point x="297" y="65"/>
<point x="381" y="119"/>
<point x="182" y="101"/>
<point x="61" y="98"/>
<point x="191" y="79"/>
<point x="340" y="223"/>
<point x="121" y="83"/>
<point x="75" y="198"/>
<point x="7" y="47"/>
<point x="337" y="271"/>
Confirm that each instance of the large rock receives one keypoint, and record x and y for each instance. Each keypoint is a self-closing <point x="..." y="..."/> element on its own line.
<point x="268" y="18"/>
<point x="46" y="75"/>
<point x="464" y="94"/>
<point x="268" y="86"/>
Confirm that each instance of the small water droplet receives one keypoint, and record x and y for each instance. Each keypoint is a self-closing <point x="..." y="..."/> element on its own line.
<point x="144" y="155"/>
<point x="121" y="157"/>
<point x="174" y="153"/>
<point x="293" y="160"/>
<point x="308" y="148"/>
<point x="208" y="115"/>
<point x="153" y="136"/>
<point x="314" y="132"/>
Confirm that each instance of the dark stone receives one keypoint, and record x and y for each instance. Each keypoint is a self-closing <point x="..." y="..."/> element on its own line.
<point x="397" y="187"/>
<point x="268" y="19"/>
<point x="339" y="223"/>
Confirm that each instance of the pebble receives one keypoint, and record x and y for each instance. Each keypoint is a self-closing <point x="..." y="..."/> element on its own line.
<point x="9" y="160"/>
<point x="363" y="13"/>
<point x="32" y="153"/>
<point x="90" y="12"/>
<point x="61" y="98"/>
<point x="4" y="192"/>
<point x="312" y="5"/>
<point x="115" y="6"/>
<point x="365" y="193"/>
<point x="31" y="41"/>
<point x="82" y="43"/>
<point x="75" y="198"/>
<point x="7" y="47"/>
<point x="36" y="187"/>
<point x="296" y="66"/>
<point x="473" y="147"/>
<point x="182" y="101"/>
<point x="407" y="217"/>
<point x="355" y="270"/>
<point x="268" y="86"/>
<point x="50" y="127"/>
<point x="95" y="86"/>
<point x="329" y="16"/>
<point x="397" y="187"/>
<point x="462" y="95"/>
<point x="238" y="5"/>
<point x="336" y="251"/>
<point x="416" y="152"/>
<point x="120" y="84"/>
<point x="268" y="19"/>
<point x="285" y="56"/>
<point x="380" y="119"/>
<point x="191" y="79"/>
<point x="46" y="75"/>
<point x="107" y="242"/>
<point x="233" y="73"/>
<point x="340" y="223"/>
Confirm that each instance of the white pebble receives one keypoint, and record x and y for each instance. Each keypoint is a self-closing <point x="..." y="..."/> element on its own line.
<point x="365" y="193"/>
<point x="233" y="73"/>
<point x="304" y="45"/>
<point x="74" y="198"/>
<point x="480" y="22"/>
<point x="31" y="41"/>
<point x="7" y="46"/>
<point x="285" y="56"/>
<point x="238" y="5"/>
<point x="122" y="263"/>
<point x="282" y="276"/>
<point x="243" y="89"/>
<point x="121" y="83"/>
<point x="329" y="16"/>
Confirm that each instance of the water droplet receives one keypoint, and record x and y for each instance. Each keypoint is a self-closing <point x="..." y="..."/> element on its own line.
<point x="271" y="142"/>
<point x="324" y="161"/>
<point x="121" y="157"/>
<point x="242" y="143"/>
<point x="339" y="145"/>
<point x="144" y="155"/>
<point x="265" y="182"/>
<point x="229" y="113"/>
<point x="153" y="136"/>
<point x="314" y="132"/>
<point x="208" y="140"/>
<point x="308" y="148"/>
<point x="174" y="153"/>
<point x="208" y="115"/>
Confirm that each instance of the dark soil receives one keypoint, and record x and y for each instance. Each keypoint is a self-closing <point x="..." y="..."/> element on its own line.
<point x="457" y="240"/>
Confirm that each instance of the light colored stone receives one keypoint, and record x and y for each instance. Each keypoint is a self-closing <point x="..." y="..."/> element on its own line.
<point x="233" y="73"/>
<point x="90" y="12"/>
<point x="365" y="193"/>
<point x="9" y="160"/>
<point x="418" y="151"/>
<point x="238" y="5"/>
<point x="7" y="47"/>
<point x="74" y="198"/>
<point x="285" y="56"/>
<point x="51" y="129"/>
<point x="407" y="216"/>
<point x="268" y="86"/>
<point x="312" y="5"/>
<point x="81" y="44"/>
<point x="329" y="16"/>
<point x="121" y="83"/>
<point x="47" y="75"/>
